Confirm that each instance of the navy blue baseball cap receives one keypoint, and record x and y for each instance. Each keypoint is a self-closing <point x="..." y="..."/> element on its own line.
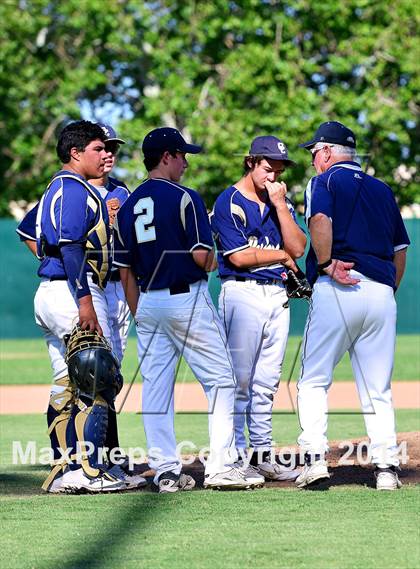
<point x="167" y="138"/>
<point x="111" y="135"/>
<point x="270" y="147"/>
<point x="333" y="132"/>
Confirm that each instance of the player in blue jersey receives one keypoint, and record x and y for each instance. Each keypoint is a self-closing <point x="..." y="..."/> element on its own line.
<point x="165" y="242"/>
<point x="257" y="237"/>
<point x="108" y="300"/>
<point x="357" y="260"/>
<point x="72" y="231"/>
<point x="114" y="192"/>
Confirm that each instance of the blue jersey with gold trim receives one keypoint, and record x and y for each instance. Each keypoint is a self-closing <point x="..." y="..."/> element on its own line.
<point x="72" y="211"/>
<point x="157" y="228"/>
<point x="237" y="224"/>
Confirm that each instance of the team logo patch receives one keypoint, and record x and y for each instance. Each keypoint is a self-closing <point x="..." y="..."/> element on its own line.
<point x="106" y="131"/>
<point x="281" y="147"/>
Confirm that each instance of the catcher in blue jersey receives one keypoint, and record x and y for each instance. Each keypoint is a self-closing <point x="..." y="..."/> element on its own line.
<point x="114" y="192"/>
<point x="72" y="237"/>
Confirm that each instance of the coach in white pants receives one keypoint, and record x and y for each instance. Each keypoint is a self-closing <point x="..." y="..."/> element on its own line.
<point x="356" y="260"/>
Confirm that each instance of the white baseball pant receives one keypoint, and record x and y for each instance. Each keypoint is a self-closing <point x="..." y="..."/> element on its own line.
<point x="186" y="324"/>
<point x="118" y="317"/>
<point x="256" y="319"/>
<point x="56" y="312"/>
<point x="360" y="319"/>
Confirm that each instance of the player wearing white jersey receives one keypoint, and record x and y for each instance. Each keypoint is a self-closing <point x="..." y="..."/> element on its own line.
<point x="257" y="237"/>
<point x="164" y="241"/>
<point x="357" y="260"/>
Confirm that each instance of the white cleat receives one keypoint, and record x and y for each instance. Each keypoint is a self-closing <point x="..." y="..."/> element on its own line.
<point x="274" y="471"/>
<point x="132" y="481"/>
<point x="76" y="482"/>
<point x="56" y="487"/>
<point x="387" y="478"/>
<point x="251" y="474"/>
<point x="233" y="479"/>
<point x="313" y="474"/>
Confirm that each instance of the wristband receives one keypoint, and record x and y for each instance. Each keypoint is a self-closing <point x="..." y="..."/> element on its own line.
<point x="323" y="266"/>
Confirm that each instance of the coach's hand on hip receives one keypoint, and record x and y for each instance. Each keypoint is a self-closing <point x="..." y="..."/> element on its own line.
<point x="340" y="272"/>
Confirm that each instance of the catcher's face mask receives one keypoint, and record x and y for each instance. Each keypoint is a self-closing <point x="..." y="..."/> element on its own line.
<point x="92" y="366"/>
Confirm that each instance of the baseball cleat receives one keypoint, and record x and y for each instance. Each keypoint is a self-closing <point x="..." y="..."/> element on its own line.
<point x="76" y="482"/>
<point x="131" y="480"/>
<point x="387" y="478"/>
<point x="233" y="479"/>
<point x="169" y="482"/>
<point x="56" y="486"/>
<point x="313" y="474"/>
<point x="274" y="471"/>
<point x="251" y="474"/>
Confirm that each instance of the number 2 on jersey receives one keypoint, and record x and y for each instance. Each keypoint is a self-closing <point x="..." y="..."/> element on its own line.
<point x="145" y="210"/>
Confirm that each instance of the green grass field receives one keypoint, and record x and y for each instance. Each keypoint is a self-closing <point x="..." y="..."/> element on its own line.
<point x="27" y="362"/>
<point x="346" y="527"/>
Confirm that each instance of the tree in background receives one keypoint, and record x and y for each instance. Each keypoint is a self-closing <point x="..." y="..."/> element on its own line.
<point x="222" y="72"/>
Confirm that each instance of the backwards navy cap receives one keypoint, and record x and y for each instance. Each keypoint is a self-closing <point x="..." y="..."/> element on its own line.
<point x="333" y="132"/>
<point x="166" y="138"/>
<point x="111" y="135"/>
<point x="270" y="147"/>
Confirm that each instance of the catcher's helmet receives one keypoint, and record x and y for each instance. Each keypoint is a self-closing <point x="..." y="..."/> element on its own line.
<point x="92" y="366"/>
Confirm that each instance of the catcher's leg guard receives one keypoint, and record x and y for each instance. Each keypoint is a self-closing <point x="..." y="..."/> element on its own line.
<point x="58" y="418"/>
<point x="91" y="426"/>
<point x="112" y="441"/>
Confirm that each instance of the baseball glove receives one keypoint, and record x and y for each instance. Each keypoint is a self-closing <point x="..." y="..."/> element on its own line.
<point x="297" y="285"/>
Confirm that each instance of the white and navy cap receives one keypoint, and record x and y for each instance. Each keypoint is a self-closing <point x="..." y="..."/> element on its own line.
<point x="270" y="147"/>
<point x="111" y="135"/>
<point x="333" y="132"/>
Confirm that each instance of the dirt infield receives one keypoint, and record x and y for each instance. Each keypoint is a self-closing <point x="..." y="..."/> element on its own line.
<point x="346" y="468"/>
<point x="21" y="399"/>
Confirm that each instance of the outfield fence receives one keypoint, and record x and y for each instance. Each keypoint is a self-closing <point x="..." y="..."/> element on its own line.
<point x="19" y="282"/>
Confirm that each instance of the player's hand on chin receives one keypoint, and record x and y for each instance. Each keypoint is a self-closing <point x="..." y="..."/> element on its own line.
<point x="340" y="272"/>
<point x="87" y="315"/>
<point x="276" y="192"/>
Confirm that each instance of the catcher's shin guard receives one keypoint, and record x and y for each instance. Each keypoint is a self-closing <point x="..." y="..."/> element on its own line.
<point x="91" y="424"/>
<point x="112" y="441"/>
<point x="58" y="418"/>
